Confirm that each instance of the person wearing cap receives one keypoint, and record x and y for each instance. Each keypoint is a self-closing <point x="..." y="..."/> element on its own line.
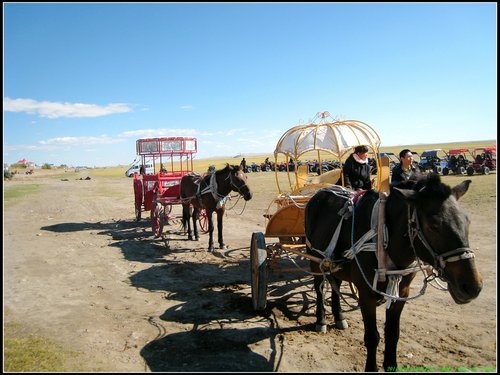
<point x="406" y="170"/>
<point x="357" y="170"/>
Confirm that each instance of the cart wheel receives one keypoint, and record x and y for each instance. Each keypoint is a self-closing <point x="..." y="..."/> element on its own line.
<point x="203" y="220"/>
<point x="259" y="270"/>
<point x="167" y="209"/>
<point x="138" y="198"/>
<point x="157" y="219"/>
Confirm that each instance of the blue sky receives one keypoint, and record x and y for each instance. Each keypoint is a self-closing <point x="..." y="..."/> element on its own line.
<point x="83" y="81"/>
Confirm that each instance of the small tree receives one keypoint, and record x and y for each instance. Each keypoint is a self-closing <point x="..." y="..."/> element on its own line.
<point x="7" y="175"/>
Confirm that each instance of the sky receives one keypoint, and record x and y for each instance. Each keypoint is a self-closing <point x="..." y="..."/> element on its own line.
<point x="83" y="81"/>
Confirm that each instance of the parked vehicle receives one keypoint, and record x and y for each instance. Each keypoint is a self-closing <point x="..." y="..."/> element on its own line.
<point x="148" y="168"/>
<point x="484" y="160"/>
<point x="254" y="167"/>
<point x="458" y="161"/>
<point x="433" y="160"/>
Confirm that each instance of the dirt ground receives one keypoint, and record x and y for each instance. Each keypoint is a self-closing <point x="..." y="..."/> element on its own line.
<point x="80" y="270"/>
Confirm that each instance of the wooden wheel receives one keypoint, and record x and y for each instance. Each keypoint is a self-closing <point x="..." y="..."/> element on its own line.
<point x="138" y="194"/>
<point x="259" y="270"/>
<point x="203" y="220"/>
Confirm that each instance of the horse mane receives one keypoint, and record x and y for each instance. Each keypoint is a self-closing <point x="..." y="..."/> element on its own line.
<point x="227" y="168"/>
<point x="430" y="187"/>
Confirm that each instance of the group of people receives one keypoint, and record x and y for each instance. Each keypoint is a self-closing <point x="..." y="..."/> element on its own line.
<point x="357" y="171"/>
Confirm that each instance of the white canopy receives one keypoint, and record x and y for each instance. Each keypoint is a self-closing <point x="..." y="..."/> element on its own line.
<point x="337" y="137"/>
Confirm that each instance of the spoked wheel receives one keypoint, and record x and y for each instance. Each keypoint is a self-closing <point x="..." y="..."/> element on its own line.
<point x="259" y="270"/>
<point x="138" y="198"/>
<point x="157" y="218"/>
<point x="167" y="209"/>
<point x="203" y="220"/>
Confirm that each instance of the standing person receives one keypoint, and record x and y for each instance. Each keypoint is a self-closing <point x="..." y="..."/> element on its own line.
<point x="405" y="170"/>
<point x="243" y="165"/>
<point x="357" y="170"/>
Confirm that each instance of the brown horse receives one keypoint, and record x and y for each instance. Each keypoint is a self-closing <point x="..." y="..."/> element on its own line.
<point x="210" y="192"/>
<point x="424" y="226"/>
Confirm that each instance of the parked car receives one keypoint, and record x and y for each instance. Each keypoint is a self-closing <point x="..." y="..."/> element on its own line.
<point x="148" y="169"/>
<point x="485" y="160"/>
<point x="433" y="160"/>
<point x="458" y="161"/>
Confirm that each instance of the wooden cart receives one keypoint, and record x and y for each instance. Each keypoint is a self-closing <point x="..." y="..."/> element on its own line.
<point x="323" y="138"/>
<point x="171" y="158"/>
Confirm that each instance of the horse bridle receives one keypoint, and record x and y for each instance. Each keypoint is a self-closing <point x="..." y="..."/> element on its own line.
<point x="231" y="182"/>
<point x="439" y="260"/>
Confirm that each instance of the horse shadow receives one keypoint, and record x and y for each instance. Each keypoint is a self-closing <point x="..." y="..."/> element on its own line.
<point x="132" y="237"/>
<point x="220" y="291"/>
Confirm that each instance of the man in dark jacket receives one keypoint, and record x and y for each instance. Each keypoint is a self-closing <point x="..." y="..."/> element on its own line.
<point x="405" y="170"/>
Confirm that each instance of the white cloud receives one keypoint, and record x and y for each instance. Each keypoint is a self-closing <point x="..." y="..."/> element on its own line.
<point x="55" y="109"/>
<point x="64" y="141"/>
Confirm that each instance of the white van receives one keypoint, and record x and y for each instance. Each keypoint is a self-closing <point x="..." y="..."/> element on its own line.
<point x="136" y="168"/>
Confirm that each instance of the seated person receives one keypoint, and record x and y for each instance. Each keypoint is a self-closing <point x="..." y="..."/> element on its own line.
<point x="406" y="170"/>
<point x="357" y="171"/>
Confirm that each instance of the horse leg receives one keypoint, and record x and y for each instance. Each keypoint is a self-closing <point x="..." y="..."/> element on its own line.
<point x="186" y="215"/>
<point x="368" y="304"/>
<point x="338" y="315"/>
<point x="210" y="232"/>
<point x="391" y="332"/>
<point x="320" y="307"/>
<point x="392" y="323"/>
<point x="194" y="216"/>
<point x="220" y="216"/>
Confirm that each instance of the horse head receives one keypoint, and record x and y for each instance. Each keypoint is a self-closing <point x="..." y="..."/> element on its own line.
<point x="238" y="181"/>
<point x="438" y="228"/>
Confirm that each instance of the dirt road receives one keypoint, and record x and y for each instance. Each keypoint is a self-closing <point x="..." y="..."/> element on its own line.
<point x="79" y="269"/>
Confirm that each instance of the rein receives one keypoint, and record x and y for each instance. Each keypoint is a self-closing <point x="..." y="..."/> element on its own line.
<point x="212" y="188"/>
<point x="394" y="276"/>
<point x="439" y="260"/>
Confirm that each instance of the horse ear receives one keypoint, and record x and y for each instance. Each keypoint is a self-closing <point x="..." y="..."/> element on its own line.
<point x="461" y="189"/>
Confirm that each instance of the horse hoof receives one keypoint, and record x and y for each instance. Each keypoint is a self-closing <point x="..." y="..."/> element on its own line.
<point x="321" y="328"/>
<point x="210" y="249"/>
<point x="190" y="238"/>
<point x="341" y="324"/>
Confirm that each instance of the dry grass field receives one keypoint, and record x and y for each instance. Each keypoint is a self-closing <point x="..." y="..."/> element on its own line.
<point x="87" y="288"/>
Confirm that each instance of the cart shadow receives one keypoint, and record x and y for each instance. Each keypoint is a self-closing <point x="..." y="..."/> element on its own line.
<point x="213" y="300"/>
<point x="215" y="350"/>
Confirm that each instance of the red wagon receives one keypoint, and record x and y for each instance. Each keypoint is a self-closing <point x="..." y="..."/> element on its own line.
<point x="171" y="158"/>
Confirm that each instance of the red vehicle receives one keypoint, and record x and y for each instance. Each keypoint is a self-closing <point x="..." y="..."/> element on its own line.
<point x="458" y="161"/>
<point x="485" y="160"/>
<point x="156" y="189"/>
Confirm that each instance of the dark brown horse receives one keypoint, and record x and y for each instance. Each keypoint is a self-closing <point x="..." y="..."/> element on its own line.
<point x="424" y="226"/>
<point x="210" y="192"/>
